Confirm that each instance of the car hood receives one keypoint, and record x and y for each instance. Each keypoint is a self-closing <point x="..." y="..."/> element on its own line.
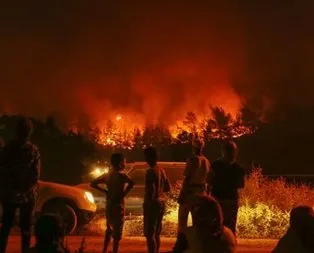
<point x="61" y="187"/>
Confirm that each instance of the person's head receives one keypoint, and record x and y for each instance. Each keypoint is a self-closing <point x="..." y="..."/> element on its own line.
<point x="302" y="222"/>
<point x="49" y="230"/>
<point x="24" y="129"/>
<point x="300" y="217"/>
<point x="151" y="156"/>
<point x="230" y="151"/>
<point x="208" y="215"/>
<point x="117" y="161"/>
<point x="197" y="146"/>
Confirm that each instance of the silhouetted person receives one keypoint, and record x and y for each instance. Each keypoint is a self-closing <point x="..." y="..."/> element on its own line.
<point x="300" y="235"/>
<point x="49" y="235"/>
<point x="208" y="233"/>
<point x="228" y="179"/>
<point x="118" y="186"/>
<point x="195" y="181"/>
<point x="156" y="185"/>
<point x="19" y="169"/>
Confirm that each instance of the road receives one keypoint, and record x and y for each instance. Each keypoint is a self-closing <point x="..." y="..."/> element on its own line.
<point x="137" y="245"/>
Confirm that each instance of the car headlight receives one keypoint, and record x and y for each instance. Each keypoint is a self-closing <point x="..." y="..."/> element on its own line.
<point x="89" y="197"/>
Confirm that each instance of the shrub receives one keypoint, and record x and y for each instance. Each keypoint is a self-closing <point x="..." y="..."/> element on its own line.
<point x="264" y="209"/>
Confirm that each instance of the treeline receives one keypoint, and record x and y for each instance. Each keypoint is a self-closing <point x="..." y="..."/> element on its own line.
<point x="282" y="145"/>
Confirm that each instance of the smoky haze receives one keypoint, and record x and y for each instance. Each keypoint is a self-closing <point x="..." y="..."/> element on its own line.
<point x="87" y="62"/>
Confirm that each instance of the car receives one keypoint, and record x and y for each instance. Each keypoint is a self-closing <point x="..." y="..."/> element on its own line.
<point x="75" y="206"/>
<point x="136" y="171"/>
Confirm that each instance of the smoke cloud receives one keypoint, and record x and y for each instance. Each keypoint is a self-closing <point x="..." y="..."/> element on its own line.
<point x="153" y="61"/>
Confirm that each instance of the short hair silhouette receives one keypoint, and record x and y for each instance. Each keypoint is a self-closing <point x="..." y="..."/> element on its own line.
<point x="48" y="229"/>
<point x="229" y="147"/>
<point x="116" y="160"/>
<point x="24" y="128"/>
<point x="301" y="216"/>
<point x="151" y="156"/>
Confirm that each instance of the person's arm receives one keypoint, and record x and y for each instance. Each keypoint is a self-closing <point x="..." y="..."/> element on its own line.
<point x="209" y="179"/>
<point x="181" y="244"/>
<point x="150" y="188"/>
<point x="129" y="183"/>
<point x="241" y="178"/>
<point x="37" y="167"/>
<point x="167" y="185"/>
<point x="101" y="180"/>
<point x="187" y="172"/>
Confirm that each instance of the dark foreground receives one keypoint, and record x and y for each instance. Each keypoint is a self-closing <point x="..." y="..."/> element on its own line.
<point x="137" y="245"/>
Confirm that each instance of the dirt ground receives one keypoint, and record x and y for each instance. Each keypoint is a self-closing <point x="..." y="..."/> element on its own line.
<point x="137" y="245"/>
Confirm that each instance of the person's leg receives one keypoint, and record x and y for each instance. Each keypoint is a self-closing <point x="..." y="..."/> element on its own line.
<point x="108" y="235"/>
<point x="149" y="229"/>
<point x="117" y="232"/>
<point x="234" y="207"/>
<point x="183" y="216"/>
<point x="7" y="223"/>
<point x="26" y="214"/>
<point x="116" y="243"/>
<point x="159" y="226"/>
<point x="227" y="207"/>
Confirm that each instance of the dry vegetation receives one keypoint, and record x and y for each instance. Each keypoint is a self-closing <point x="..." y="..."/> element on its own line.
<point x="264" y="209"/>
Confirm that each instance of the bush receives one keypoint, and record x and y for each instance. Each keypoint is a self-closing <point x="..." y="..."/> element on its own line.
<point x="264" y="209"/>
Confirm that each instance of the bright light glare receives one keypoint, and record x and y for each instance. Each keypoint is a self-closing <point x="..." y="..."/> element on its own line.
<point x="97" y="171"/>
<point x="90" y="197"/>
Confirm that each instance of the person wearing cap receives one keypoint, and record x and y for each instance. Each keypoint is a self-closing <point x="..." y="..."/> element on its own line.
<point x="228" y="179"/>
<point x="19" y="174"/>
<point x="195" y="181"/>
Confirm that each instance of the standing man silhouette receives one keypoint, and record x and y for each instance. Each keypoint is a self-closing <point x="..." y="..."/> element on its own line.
<point x="228" y="179"/>
<point x="19" y="173"/>
<point x="195" y="181"/>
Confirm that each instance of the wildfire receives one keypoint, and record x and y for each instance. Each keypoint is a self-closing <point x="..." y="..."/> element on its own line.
<point x="124" y="133"/>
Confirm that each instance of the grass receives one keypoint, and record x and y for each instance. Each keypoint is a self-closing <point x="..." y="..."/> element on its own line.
<point x="264" y="209"/>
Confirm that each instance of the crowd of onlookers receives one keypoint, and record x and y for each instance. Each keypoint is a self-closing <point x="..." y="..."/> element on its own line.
<point x="209" y="192"/>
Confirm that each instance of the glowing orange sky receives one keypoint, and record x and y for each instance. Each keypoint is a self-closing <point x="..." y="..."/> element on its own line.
<point x="152" y="61"/>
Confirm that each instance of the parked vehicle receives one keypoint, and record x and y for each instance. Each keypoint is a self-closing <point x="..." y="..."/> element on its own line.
<point x="75" y="206"/>
<point x="137" y="171"/>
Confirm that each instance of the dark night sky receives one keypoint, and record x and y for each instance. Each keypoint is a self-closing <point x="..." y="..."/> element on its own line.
<point x="83" y="61"/>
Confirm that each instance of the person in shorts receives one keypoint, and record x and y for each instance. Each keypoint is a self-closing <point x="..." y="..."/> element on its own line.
<point x="156" y="185"/>
<point x="118" y="185"/>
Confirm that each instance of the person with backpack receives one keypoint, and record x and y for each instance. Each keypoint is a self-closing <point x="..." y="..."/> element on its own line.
<point x="19" y="172"/>
<point x="156" y="185"/>
<point x="196" y="176"/>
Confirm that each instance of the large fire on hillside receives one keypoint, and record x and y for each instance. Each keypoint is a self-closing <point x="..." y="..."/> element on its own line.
<point x="119" y="132"/>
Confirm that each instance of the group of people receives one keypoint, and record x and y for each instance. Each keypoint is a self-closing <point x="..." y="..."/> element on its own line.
<point x="209" y="192"/>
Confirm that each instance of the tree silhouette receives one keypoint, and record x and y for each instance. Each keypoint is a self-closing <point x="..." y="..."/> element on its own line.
<point x="222" y="121"/>
<point x="191" y="122"/>
<point x="157" y="135"/>
<point x="138" y="139"/>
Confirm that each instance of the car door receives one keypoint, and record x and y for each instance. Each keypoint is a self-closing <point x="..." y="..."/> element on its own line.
<point x="134" y="200"/>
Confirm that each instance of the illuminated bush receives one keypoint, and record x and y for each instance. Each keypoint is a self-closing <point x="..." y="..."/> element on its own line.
<point x="264" y="209"/>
